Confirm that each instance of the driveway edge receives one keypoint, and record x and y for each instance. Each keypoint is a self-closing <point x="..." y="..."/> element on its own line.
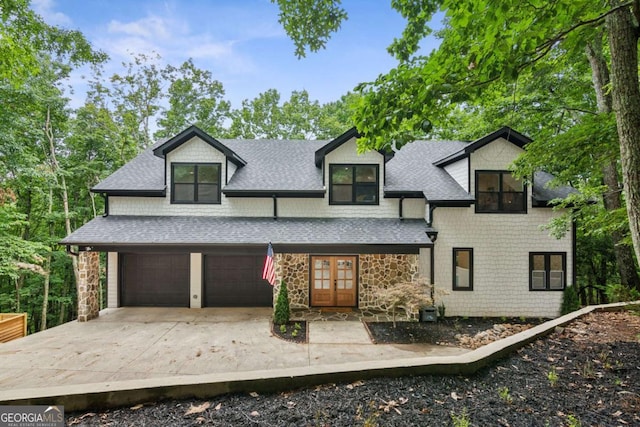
<point x="127" y="393"/>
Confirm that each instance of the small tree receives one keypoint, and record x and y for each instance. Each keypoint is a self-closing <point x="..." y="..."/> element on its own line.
<point x="281" y="312"/>
<point x="408" y="295"/>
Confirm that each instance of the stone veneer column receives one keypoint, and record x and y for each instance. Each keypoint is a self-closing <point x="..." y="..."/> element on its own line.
<point x="293" y="269"/>
<point x="88" y="283"/>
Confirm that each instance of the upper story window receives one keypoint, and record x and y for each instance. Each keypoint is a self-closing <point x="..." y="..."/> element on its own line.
<point x="353" y="184"/>
<point x="499" y="192"/>
<point x="195" y="183"/>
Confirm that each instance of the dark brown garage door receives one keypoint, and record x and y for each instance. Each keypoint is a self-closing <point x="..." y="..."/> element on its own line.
<point x="155" y="280"/>
<point x="235" y="281"/>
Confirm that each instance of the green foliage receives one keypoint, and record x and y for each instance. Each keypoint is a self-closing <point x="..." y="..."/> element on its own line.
<point x="552" y="376"/>
<point x="570" y="300"/>
<point x="619" y="293"/>
<point x="309" y="23"/>
<point x="24" y="37"/>
<point x="460" y="420"/>
<point x="282" y="312"/>
<point x="17" y="254"/>
<point x="195" y="98"/>
<point x="441" y="310"/>
<point x="505" y="395"/>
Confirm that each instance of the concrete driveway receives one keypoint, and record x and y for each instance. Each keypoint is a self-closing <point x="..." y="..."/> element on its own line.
<point x="141" y="343"/>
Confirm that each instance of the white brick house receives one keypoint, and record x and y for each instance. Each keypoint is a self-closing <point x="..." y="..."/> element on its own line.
<point x="188" y="221"/>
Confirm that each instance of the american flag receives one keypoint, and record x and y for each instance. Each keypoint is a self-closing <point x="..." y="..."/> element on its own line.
<point x="269" y="271"/>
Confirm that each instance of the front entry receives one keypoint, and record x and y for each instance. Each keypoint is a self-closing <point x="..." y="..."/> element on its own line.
<point x="334" y="281"/>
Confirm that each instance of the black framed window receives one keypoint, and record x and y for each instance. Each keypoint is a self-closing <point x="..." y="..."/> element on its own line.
<point x="353" y="184"/>
<point x="462" y="269"/>
<point x="547" y="271"/>
<point x="500" y="192"/>
<point x="195" y="183"/>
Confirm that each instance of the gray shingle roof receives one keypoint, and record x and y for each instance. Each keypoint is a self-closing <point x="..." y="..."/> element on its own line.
<point x="543" y="194"/>
<point x="276" y="165"/>
<point x="143" y="173"/>
<point x="412" y="169"/>
<point x="183" y="230"/>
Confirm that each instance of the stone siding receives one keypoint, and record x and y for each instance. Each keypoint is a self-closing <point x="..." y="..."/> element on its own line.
<point x="382" y="271"/>
<point x="293" y="269"/>
<point x="375" y="271"/>
<point x="88" y="285"/>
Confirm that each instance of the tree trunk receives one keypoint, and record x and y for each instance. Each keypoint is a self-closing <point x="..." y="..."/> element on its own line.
<point x="47" y="269"/>
<point x="55" y="167"/>
<point x="612" y="198"/>
<point x="623" y="43"/>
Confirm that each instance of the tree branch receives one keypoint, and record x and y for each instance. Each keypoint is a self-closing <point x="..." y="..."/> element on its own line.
<point x="549" y="43"/>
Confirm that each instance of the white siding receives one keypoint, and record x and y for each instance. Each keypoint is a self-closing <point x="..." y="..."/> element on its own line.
<point x="113" y="300"/>
<point x="348" y="153"/>
<point x="497" y="155"/>
<point x="460" y="172"/>
<point x="195" y="280"/>
<point x="413" y="208"/>
<point x="501" y="244"/>
<point x="232" y="206"/>
<point x="231" y="169"/>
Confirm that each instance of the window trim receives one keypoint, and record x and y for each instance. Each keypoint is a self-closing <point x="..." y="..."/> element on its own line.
<point x="353" y="167"/>
<point x="195" y="183"/>
<point x="547" y="271"/>
<point x="455" y="287"/>
<point x="500" y="194"/>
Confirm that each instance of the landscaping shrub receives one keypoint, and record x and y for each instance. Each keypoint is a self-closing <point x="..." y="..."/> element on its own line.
<point x="570" y="300"/>
<point x="620" y="293"/>
<point x="281" y="313"/>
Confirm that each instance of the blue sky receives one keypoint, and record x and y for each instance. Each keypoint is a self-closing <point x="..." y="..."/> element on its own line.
<point x="239" y="41"/>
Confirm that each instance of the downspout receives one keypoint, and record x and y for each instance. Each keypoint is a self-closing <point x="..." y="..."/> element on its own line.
<point x="106" y="204"/>
<point x="400" y="203"/>
<point x="275" y="207"/>
<point x="432" y="208"/>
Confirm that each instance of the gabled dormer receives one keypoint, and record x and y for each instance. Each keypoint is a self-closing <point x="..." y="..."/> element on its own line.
<point x="197" y="166"/>
<point x="351" y="178"/>
<point x="482" y="169"/>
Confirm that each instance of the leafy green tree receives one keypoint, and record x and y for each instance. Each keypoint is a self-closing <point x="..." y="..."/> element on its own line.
<point x="24" y="36"/>
<point x="484" y="42"/>
<point x="136" y="96"/>
<point x="265" y="117"/>
<point x="195" y="98"/>
<point x="309" y="23"/>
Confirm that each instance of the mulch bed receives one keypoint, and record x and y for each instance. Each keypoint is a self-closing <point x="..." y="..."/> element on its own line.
<point x="292" y="331"/>
<point x="587" y="373"/>
<point x="442" y="332"/>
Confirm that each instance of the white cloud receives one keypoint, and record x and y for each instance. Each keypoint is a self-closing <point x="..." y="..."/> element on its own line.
<point x="44" y="8"/>
<point x="148" y="27"/>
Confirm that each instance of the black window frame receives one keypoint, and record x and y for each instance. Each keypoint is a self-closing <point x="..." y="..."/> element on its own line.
<point x="500" y="194"/>
<point x="453" y="270"/>
<point x="354" y="184"/>
<point x="547" y="269"/>
<point x="196" y="184"/>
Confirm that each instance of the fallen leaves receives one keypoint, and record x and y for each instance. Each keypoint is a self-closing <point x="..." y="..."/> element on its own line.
<point x="387" y="406"/>
<point x="198" y="409"/>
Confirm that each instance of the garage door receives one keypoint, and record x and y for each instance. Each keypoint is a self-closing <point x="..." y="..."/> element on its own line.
<point x="155" y="280"/>
<point x="235" y="281"/>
